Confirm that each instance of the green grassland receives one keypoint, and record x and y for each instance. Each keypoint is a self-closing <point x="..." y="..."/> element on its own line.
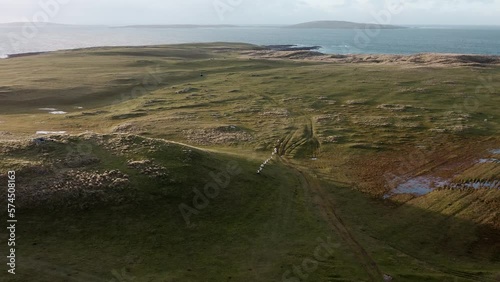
<point x="170" y="120"/>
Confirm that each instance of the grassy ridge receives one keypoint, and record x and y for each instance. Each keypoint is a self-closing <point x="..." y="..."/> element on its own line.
<point x="251" y="229"/>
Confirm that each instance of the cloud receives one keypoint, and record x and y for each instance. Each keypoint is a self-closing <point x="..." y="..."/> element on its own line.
<point x="326" y="5"/>
<point x="118" y="12"/>
<point x="448" y="4"/>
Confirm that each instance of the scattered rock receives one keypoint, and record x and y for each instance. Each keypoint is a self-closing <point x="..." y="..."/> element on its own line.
<point x="76" y="160"/>
<point x="149" y="168"/>
<point x="331" y="139"/>
<point x="276" y="112"/>
<point x="323" y="118"/>
<point x="428" y="59"/>
<point x="372" y="121"/>
<point x="394" y="107"/>
<point x="126" y="128"/>
<point x="220" y="135"/>
<point x="357" y="102"/>
<point x="154" y="102"/>
<point x="74" y="189"/>
<point x="186" y="90"/>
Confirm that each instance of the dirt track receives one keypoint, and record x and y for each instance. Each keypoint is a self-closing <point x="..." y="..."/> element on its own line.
<point x="322" y="199"/>
<point x="324" y="202"/>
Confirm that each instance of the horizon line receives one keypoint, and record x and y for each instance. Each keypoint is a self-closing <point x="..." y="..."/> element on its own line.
<point x="237" y="25"/>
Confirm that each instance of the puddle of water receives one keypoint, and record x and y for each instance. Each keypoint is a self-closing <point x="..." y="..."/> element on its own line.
<point x="53" y="111"/>
<point x="483" y="161"/>
<point x="50" y="132"/>
<point x="484" y="184"/>
<point x="423" y="185"/>
<point x="418" y="186"/>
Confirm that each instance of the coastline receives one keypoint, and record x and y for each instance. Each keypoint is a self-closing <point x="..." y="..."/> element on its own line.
<point x="417" y="59"/>
<point x="311" y="53"/>
<point x="19" y="55"/>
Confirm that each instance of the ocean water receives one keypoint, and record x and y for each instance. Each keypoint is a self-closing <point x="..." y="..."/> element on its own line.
<point x="463" y="40"/>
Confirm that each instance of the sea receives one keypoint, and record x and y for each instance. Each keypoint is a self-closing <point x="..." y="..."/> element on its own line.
<point x="25" y="38"/>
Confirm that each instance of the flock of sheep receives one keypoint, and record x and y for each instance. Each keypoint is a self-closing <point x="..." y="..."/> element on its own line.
<point x="267" y="161"/>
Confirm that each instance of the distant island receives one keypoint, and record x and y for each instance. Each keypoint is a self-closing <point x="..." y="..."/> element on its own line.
<point x="342" y="25"/>
<point x="307" y="25"/>
<point x="179" y="26"/>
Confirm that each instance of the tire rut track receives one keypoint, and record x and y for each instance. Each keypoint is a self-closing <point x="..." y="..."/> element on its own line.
<point x="322" y="199"/>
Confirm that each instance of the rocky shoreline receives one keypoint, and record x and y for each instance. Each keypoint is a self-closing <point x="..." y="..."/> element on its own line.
<point x="309" y="54"/>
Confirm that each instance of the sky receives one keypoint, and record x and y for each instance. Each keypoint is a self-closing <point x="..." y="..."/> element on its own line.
<point x="252" y="12"/>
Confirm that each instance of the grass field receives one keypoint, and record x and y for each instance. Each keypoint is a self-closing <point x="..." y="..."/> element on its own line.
<point x="380" y="169"/>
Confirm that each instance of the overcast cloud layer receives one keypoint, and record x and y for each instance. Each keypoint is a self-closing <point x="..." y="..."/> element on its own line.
<point x="125" y="12"/>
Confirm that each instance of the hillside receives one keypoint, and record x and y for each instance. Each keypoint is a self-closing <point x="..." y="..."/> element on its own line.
<point x="133" y="201"/>
<point x="140" y="164"/>
<point x="342" y="25"/>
